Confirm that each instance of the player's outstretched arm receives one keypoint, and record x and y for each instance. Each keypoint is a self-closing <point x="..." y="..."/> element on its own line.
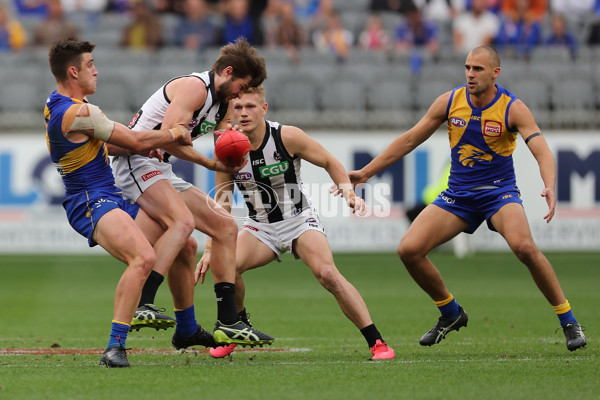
<point x="88" y="120"/>
<point x="298" y="143"/>
<point x="406" y="142"/>
<point x="521" y="118"/>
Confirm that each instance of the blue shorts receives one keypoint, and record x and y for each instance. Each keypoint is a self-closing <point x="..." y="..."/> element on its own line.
<point x="85" y="209"/>
<point x="475" y="206"/>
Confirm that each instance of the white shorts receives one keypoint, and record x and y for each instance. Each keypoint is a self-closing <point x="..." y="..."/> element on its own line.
<point x="279" y="236"/>
<point x="135" y="174"/>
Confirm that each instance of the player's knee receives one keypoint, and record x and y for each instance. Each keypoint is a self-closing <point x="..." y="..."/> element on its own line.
<point x="525" y="250"/>
<point x="186" y="226"/>
<point x="330" y="278"/>
<point x="407" y="251"/>
<point x="190" y="249"/>
<point x="144" y="261"/>
<point x="228" y="232"/>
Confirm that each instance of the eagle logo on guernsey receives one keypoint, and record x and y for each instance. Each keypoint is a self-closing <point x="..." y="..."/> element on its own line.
<point x="458" y="122"/>
<point x="469" y="155"/>
<point x="492" y="128"/>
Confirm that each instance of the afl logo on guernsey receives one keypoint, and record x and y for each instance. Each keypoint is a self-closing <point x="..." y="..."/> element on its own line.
<point x="243" y="176"/>
<point x="492" y="128"/>
<point x="458" y="122"/>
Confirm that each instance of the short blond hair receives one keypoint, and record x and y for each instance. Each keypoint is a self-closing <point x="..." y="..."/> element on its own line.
<point x="259" y="91"/>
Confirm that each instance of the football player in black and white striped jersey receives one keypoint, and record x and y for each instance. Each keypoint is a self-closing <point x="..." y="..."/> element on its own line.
<point x="280" y="215"/>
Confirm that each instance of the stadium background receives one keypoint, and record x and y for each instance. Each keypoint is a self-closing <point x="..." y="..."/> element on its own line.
<point x="354" y="107"/>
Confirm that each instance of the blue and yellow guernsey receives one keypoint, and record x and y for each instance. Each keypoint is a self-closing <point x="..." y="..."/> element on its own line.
<point x="481" y="141"/>
<point x="82" y="166"/>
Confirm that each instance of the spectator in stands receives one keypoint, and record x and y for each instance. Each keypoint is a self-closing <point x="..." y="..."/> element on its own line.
<point x="334" y="39"/>
<point x="288" y="33"/>
<point x="374" y="36"/>
<point x="519" y="32"/>
<point x="12" y="35"/>
<point x="536" y="9"/>
<point x="560" y="35"/>
<point x="31" y="8"/>
<point x="118" y="6"/>
<point x="416" y="34"/>
<point x="401" y="6"/>
<point x="196" y="29"/>
<point x="440" y="11"/>
<point x="238" y="22"/>
<point x="144" y="31"/>
<point x="474" y="28"/>
<point x="573" y="10"/>
<point x="54" y="27"/>
<point x="87" y="6"/>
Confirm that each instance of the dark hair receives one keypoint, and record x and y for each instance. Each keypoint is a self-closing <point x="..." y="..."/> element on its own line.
<point x="245" y="62"/>
<point x="65" y="54"/>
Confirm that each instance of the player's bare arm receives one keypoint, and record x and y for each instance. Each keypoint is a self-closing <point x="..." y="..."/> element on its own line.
<point x="83" y="121"/>
<point x="406" y="142"/>
<point x="298" y="143"/>
<point x="521" y="118"/>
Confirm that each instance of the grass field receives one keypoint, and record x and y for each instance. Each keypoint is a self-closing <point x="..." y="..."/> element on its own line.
<point x="510" y="350"/>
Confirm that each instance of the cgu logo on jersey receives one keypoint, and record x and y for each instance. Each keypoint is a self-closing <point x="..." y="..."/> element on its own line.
<point x="207" y="127"/>
<point x="242" y="176"/>
<point x="274" y="169"/>
<point x="470" y="154"/>
<point x="492" y="128"/>
<point x="458" y="122"/>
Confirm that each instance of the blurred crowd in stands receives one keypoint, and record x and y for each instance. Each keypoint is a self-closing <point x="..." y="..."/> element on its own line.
<point x="515" y="27"/>
<point x="367" y="64"/>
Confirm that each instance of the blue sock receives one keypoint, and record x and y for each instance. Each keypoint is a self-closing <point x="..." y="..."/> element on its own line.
<point x="566" y="318"/>
<point x="186" y="322"/>
<point x="451" y="309"/>
<point x="118" y="334"/>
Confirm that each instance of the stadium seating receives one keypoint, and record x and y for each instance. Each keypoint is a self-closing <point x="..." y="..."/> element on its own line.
<point x="369" y="90"/>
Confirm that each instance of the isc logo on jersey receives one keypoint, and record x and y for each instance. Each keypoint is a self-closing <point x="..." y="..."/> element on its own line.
<point x="492" y="128"/>
<point x="274" y="169"/>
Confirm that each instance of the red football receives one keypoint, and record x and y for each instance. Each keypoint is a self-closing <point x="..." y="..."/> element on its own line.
<point x="232" y="148"/>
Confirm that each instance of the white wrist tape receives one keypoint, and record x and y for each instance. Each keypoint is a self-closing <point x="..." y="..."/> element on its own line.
<point x="88" y="118"/>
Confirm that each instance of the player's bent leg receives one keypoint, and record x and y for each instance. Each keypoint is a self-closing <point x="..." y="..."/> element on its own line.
<point x="313" y="248"/>
<point x="432" y="227"/>
<point x="251" y="253"/>
<point x="162" y="204"/>
<point x="148" y="315"/>
<point x="118" y="234"/>
<point x="511" y="222"/>
<point x="216" y="222"/>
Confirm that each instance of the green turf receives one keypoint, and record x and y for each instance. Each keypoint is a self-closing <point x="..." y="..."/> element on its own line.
<point x="510" y="349"/>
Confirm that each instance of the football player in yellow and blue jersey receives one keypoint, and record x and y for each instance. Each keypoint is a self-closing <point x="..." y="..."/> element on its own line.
<point x="484" y="121"/>
<point x="80" y="138"/>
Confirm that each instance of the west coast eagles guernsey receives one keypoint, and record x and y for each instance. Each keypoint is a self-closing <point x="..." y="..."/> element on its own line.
<point x="481" y="141"/>
<point x="204" y="120"/>
<point x="82" y="166"/>
<point x="270" y="181"/>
